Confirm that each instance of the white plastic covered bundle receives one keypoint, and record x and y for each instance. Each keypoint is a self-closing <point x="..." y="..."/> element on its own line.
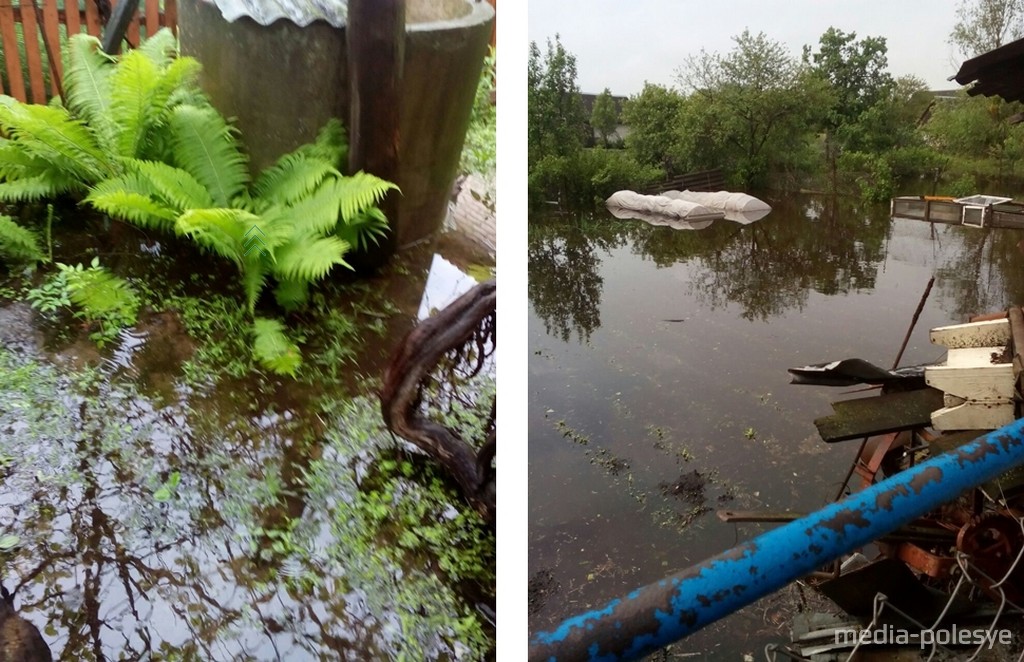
<point x="658" y="204"/>
<point x="737" y="206"/>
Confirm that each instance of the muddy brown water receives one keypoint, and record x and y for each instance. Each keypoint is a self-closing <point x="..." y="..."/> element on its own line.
<point x="659" y="391"/>
<point x="254" y="555"/>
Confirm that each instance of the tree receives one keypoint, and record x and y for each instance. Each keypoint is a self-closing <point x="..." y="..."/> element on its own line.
<point x="757" y="102"/>
<point x="605" y="116"/>
<point x="652" y="117"/>
<point x="557" y="124"/>
<point x="984" y="25"/>
<point x="856" y="75"/>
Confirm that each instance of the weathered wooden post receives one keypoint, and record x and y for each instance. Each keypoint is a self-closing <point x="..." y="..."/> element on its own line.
<point x="376" y="57"/>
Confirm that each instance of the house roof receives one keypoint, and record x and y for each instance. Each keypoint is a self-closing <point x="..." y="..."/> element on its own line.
<point x="996" y="73"/>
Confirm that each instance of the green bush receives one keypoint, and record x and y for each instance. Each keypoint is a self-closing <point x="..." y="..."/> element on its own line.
<point x="588" y="177"/>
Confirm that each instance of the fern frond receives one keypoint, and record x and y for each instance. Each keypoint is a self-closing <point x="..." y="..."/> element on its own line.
<point x="125" y="198"/>
<point x="53" y="136"/>
<point x="292" y="178"/>
<point x="133" y="88"/>
<point x="254" y="278"/>
<point x="18" y="242"/>
<point x="278" y="227"/>
<point x="315" y="214"/>
<point x="36" y="187"/>
<point x="87" y="74"/>
<point x="291" y="294"/>
<point x="101" y="294"/>
<point x="205" y="145"/>
<point x="308" y="258"/>
<point x="368" y="227"/>
<point x="331" y="145"/>
<point x="360" y="192"/>
<point x="143" y="101"/>
<point x="161" y="48"/>
<point x="221" y="230"/>
<point x="272" y="348"/>
<point x="174" y="185"/>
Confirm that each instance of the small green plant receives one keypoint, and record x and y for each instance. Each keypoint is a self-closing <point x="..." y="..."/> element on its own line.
<point x="164" y="492"/>
<point x="52" y="295"/>
<point x="97" y="296"/>
<point x="749" y="433"/>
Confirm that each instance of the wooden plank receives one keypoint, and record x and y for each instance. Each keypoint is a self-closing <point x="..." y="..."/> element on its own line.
<point x="171" y="15"/>
<point x="991" y="333"/>
<point x="863" y="417"/>
<point x="133" y="31"/>
<point x="152" y="17"/>
<point x="375" y="46"/>
<point x="12" y="54"/>
<point x="30" y="32"/>
<point x="51" y="36"/>
<point x="979" y="383"/>
<point x="92" y="18"/>
<point x="973" y="416"/>
<point x="985" y="317"/>
<point x="73" y="16"/>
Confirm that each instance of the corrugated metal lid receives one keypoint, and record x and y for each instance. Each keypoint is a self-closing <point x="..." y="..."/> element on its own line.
<point x="300" y="12"/>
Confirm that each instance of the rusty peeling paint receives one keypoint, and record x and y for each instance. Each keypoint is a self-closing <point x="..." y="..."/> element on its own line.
<point x="918" y="482"/>
<point x="844" y="518"/>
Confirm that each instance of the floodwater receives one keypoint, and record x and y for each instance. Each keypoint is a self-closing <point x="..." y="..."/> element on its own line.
<point x="659" y="392"/>
<point x="151" y="510"/>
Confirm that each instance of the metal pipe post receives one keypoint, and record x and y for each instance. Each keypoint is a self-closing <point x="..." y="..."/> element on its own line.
<point x="658" y="614"/>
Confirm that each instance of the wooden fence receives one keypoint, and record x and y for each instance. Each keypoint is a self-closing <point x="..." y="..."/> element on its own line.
<point x="32" y="32"/>
<point x="707" y="180"/>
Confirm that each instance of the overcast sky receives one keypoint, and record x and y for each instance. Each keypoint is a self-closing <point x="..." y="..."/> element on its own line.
<point x="619" y="44"/>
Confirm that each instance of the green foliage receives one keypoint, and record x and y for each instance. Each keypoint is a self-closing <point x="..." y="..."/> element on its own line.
<point x="99" y="298"/>
<point x="401" y="500"/>
<point x="964" y="186"/>
<point x="18" y="243"/>
<point x="856" y="73"/>
<point x="557" y="126"/>
<point x="272" y="348"/>
<point x="653" y="117"/>
<point x="588" y="177"/>
<point x="52" y="295"/>
<point x="479" y="153"/>
<point x="295" y="224"/>
<point x="604" y="117"/>
<point x="975" y="138"/>
<point x="115" y="109"/>
<point x="205" y="147"/>
<point x="756" y="102"/>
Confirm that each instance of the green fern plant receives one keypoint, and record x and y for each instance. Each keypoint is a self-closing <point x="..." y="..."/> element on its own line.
<point x="18" y="243"/>
<point x="293" y="224"/>
<point x="115" y="109"/>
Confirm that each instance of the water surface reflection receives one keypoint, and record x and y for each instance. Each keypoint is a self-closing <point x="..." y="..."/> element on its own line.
<point x="658" y="384"/>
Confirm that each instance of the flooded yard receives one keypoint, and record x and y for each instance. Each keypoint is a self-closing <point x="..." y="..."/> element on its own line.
<point x="659" y="392"/>
<point x="164" y="498"/>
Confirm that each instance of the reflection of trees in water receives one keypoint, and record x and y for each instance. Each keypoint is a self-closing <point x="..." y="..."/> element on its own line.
<point x="257" y="554"/>
<point x="767" y="267"/>
<point x="985" y="272"/>
<point x="564" y="285"/>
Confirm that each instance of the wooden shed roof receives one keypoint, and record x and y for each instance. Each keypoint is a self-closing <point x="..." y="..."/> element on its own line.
<point x="997" y="73"/>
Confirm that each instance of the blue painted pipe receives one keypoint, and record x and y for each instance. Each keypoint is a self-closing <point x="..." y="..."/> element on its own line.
<point x="658" y="614"/>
